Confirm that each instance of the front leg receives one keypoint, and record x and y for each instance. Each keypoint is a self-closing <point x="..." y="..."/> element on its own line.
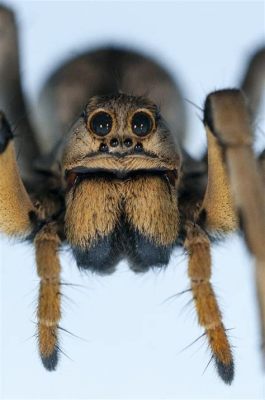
<point x="235" y="190"/>
<point x="17" y="212"/>
<point x="12" y="100"/>
<point x="209" y="315"/>
<point x="229" y="132"/>
<point x="47" y="244"/>
<point x="19" y="218"/>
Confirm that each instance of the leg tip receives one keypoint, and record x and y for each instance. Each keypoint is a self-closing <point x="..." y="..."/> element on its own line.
<point x="5" y="132"/>
<point x="50" y="362"/>
<point x="225" y="371"/>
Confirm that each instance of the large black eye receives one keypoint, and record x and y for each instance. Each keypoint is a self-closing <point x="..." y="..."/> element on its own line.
<point x="101" y="123"/>
<point x="142" y="123"/>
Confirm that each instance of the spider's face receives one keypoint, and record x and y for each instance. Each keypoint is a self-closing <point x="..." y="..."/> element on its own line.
<point x="121" y="167"/>
<point x="119" y="134"/>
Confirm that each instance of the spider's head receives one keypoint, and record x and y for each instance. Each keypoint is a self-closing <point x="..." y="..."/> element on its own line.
<point x="120" y="162"/>
<point x="119" y="134"/>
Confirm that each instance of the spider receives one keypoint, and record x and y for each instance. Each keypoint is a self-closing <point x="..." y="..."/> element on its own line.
<point x="106" y="173"/>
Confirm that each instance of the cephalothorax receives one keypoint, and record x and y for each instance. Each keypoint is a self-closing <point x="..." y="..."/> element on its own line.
<point x="105" y="173"/>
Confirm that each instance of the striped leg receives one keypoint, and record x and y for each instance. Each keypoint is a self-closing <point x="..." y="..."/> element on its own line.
<point x="47" y="244"/>
<point x="197" y="245"/>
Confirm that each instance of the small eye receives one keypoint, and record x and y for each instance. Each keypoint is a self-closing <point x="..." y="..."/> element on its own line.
<point x="142" y="123"/>
<point x="101" y="123"/>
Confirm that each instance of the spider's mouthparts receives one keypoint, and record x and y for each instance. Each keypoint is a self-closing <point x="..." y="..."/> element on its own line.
<point x="77" y="174"/>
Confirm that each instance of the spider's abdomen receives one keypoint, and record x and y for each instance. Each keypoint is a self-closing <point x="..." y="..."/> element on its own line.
<point x="135" y="219"/>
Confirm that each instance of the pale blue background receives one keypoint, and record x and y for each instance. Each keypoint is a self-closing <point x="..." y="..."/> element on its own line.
<point x="133" y="341"/>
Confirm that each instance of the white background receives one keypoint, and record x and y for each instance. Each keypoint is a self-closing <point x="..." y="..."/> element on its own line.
<point x="133" y="340"/>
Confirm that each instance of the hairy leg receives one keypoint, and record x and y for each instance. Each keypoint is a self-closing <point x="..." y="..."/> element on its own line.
<point x="217" y="210"/>
<point x="227" y="119"/>
<point x="197" y="245"/>
<point x="241" y="195"/>
<point x="47" y="243"/>
<point x="16" y="209"/>
<point x="19" y="218"/>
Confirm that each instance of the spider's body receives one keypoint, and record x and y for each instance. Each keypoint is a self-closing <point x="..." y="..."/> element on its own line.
<point x="109" y="177"/>
<point x="124" y="176"/>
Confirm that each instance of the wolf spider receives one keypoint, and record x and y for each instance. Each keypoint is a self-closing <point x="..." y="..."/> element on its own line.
<point x="109" y="177"/>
